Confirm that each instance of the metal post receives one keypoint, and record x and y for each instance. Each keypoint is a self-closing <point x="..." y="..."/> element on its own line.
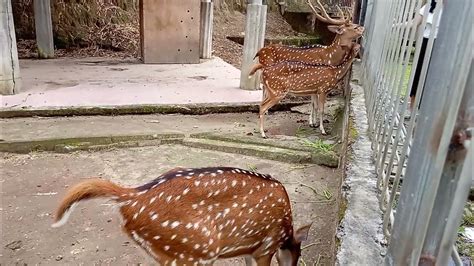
<point x="205" y="38"/>
<point x="432" y="146"/>
<point x="363" y="11"/>
<point x="455" y="182"/>
<point x="10" y="80"/>
<point x="253" y="41"/>
<point x="44" y="28"/>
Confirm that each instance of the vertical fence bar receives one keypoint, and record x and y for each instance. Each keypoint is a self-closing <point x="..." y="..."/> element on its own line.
<point x="377" y="67"/>
<point x="436" y="123"/>
<point x="389" y="213"/>
<point x="455" y="181"/>
<point x="386" y="107"/>
<point x="390" y="123"/>
<point x="379" y="44"/>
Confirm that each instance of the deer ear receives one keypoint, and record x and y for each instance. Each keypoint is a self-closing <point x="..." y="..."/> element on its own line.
<point x="302" y="233"/>
<point x="336" y="29"/>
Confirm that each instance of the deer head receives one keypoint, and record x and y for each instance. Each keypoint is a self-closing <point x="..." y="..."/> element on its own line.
<point x="290" y="252"/>
<point x="345" y="30"/>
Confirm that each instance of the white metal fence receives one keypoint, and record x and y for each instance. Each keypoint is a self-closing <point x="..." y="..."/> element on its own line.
<point x="424" y="163"/>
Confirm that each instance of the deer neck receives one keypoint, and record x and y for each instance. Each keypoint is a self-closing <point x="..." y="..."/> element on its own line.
<point x="345" y="67"/>
<point x="338" y="49"/>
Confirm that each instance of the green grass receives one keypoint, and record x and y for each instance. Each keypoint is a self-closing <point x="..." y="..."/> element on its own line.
<point x="406" y="79"/>
<point x="463" y="245"/>
<point x="318" y="145"/>
<point x="252" y="167"/>
<point x="301" y="131"/>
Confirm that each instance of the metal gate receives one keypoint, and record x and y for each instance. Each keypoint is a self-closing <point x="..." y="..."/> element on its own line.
<point x="425" y="162"/>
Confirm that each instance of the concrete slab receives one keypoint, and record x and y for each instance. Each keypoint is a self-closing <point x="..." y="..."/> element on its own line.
<point x="361" y="232"/>
<point x="90" y="82"/>
<point x="32" y="184"/>
<point x="244" y="124"/>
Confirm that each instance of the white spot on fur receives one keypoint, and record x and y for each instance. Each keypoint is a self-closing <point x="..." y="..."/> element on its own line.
<point x="185" y="191"/>
<point x="175" y="224"/>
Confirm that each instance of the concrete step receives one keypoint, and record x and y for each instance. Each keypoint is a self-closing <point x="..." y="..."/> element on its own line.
<point x="267" y="152"/>
<point x="64" y="145"/>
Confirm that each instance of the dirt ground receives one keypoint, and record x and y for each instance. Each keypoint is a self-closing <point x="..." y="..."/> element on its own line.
<point x="33" y="184"/>
<point x="233" y="24"/>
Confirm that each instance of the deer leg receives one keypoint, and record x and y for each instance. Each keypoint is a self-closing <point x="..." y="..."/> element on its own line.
<point x="264" y="260"/>
<point x="267" y="103"/>
<point x="322" y="101"/>
<point x="312" y="115"/>
<point x="249" y="261"/>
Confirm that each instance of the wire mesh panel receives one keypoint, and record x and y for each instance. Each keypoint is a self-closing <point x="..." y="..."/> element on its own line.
<point x="408" y="45"/>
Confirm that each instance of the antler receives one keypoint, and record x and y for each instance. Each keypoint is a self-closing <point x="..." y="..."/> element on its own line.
<point x="325" y="17"/>
<point x="340" y="12"/>
<point x="349" y="13"/>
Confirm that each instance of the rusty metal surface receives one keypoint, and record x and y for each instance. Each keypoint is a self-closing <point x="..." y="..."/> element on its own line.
<point x="170" y="31"/>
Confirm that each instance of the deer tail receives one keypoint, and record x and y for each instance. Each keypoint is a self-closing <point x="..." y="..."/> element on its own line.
<point x="89" y="189"/>
<point x="254" y="69"/>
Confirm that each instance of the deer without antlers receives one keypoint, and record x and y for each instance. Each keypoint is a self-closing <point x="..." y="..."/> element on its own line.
<point x="346" y="32"/>
<point x="196" y="216"/>
<point x="301" y="79"/>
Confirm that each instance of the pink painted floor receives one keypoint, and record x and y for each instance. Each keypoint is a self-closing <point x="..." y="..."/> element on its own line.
<point x="110" y="82"/>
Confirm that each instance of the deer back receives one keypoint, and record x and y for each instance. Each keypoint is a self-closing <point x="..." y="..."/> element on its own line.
<point x="327" y="55"/>
<point x="299" y="78"/>
<point x="202" y="214"/>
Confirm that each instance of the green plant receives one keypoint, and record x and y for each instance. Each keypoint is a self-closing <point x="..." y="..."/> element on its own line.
<point x="462" y="244"/>
<point x="301" y="131"/>
<point x="252" y="168"/>
<point x="406" y="79"/>
<point x="318" y="145"/>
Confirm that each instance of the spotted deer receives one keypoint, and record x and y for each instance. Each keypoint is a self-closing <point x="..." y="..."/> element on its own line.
<point x="346" y="33"/>
<point x="196" y="216"/>
<point x="302" y="79"/>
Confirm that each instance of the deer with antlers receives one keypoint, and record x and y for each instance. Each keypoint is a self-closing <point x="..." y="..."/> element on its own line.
<point x="196" y="216"/>
<point x="346" y="32"/>
<point x="302" y="79"/>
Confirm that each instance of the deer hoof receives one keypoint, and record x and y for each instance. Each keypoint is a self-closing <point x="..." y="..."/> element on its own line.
<point x="313" y="125"/>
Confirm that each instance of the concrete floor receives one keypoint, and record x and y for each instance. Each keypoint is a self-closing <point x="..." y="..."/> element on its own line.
<point x="67" y="82"/>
